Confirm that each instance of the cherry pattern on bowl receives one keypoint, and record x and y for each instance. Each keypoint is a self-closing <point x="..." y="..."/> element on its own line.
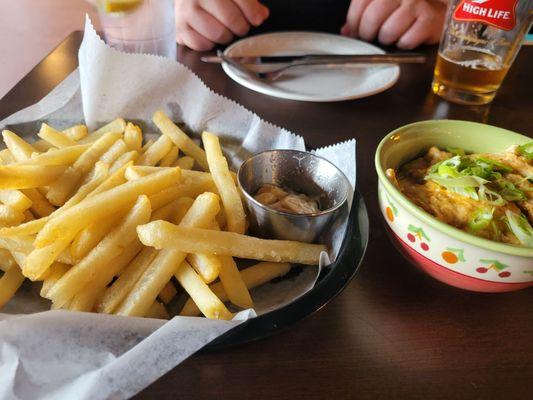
<point x="493" y="265"/>
<point x="416" y="233"/>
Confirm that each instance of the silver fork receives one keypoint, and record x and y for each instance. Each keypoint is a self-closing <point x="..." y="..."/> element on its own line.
<point x="327" y="61"/>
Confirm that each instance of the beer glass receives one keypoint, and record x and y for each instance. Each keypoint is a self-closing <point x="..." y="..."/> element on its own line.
<point x="480" y="41"/>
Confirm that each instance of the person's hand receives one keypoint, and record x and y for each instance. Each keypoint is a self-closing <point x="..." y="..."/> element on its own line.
<point x="408" y="23"/>
<point x="200" y="24"/>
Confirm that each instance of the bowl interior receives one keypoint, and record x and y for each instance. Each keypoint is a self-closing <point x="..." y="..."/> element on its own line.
<point x="410" y="141"/>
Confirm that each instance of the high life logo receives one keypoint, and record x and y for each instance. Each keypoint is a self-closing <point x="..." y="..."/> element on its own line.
<point x="498" y="13"/>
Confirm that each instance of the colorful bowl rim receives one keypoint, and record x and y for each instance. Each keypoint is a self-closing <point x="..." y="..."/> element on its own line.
<point x="431" y="220"/>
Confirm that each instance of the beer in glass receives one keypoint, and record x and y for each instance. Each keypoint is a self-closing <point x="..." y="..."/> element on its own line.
<point x="480" y="41"/>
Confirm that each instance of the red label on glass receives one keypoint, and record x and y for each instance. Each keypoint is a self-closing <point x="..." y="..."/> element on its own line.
<point x="498" y="13"/>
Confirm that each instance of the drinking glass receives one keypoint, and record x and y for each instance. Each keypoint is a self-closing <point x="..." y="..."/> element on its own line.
<point x="480" y="41"/>
<point x="140" y="26"/>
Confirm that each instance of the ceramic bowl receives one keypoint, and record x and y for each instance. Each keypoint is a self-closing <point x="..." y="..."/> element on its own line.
<point x="446" y="253"/>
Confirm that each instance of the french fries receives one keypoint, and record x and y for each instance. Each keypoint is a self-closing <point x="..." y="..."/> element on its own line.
<point x="28" y="216"/>
<point x="208" y="266"/>
<point x="147" y="145"/>
<point x="62" y="189"/>
<point x="208" y="303"/>
<point x="54" y="137"/>
<point x="180" y="139"/>
<point x="156" y="151"/>
<point x="231" y="279"/>
<point x="234" y="286"/>
<point x="114" y="152"/>
<point x="38" y="261"/>
<point x="6" y="157"/>
<point x="124" y="159"/>
<point x="28" y="176"/>
<point x="126" y="281"/>
<point x="164" y="235"/>
<point x="185" y="162"/>
<point x="111" y="226"/>
<point x="10" y="215"/>
<point x="6" y="260"/>
<point x="133" y="137"/>
<point x="19" y="149"/>
<point x="57" y="270"/>
<point x="114" y="295"/>
<point x="236" y="219"/>
<point x="65" y="156"/>
<point x="90" y="236"/>
<point x="116" y="126"/>
<point x="32" y="227"/>
<point x="15" y="199"/>
<point x="85" y="299"/>
<point x="9" y="284"/>
<point x="253" y="276"/>
<point x="102" y="205"/>
<point x="76" y="132"/>
<point x="94" y="263"/>
<point x="160" y="271"/>
<point x="170" y="158"/>
<point x="40" y="206"/>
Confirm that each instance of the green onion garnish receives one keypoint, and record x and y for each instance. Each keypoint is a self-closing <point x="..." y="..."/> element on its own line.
<point x="526" y="150"/>
<point x="461" y="181"/>
<point x="470" y="176"/>
<point x="490" y="196"/>
<point x="510" y="192"/>
<point x="480" y="220"/>
<point x="494" y="165"/>
<point x="456" y="151"/>
<point x="519" y="225"/>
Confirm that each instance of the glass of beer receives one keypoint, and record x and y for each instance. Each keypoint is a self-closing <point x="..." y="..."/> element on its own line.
<point x="480" y="41"/>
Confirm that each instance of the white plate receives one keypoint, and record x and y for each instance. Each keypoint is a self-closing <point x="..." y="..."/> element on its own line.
<point x="313" y="83"/>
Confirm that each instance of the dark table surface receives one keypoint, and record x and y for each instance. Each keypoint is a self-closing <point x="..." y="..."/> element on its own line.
<point x="393" y="332"/>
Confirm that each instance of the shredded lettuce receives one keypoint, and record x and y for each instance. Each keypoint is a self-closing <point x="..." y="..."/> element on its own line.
<point x="526" y="150"/>
<point x="519" y="225"/>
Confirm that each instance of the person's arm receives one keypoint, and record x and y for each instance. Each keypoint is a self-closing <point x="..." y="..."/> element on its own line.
<point x="406" y="23"/>
<point x="200" y="24"/>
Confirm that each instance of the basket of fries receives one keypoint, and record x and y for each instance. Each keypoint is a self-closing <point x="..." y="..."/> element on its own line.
<point x="105" y="219"/>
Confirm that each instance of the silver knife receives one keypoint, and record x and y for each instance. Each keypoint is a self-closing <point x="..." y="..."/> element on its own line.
<point x="322" y="59"/>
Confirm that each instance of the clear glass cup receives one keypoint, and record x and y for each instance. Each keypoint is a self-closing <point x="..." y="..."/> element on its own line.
<point x="480" y="41"/>
<point x="144" y="26"/>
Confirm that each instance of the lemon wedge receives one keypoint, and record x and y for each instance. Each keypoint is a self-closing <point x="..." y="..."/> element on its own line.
<point x="113" y="6"/>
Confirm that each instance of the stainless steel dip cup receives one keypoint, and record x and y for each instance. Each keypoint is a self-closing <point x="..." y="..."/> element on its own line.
<point x="304" y="173"/>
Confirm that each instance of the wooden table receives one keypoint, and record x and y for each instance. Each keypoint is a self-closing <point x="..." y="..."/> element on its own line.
<point x="394" y="332"/>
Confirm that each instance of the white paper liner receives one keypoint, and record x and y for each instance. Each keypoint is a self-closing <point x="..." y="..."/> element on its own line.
<point x="57" y="354"/>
